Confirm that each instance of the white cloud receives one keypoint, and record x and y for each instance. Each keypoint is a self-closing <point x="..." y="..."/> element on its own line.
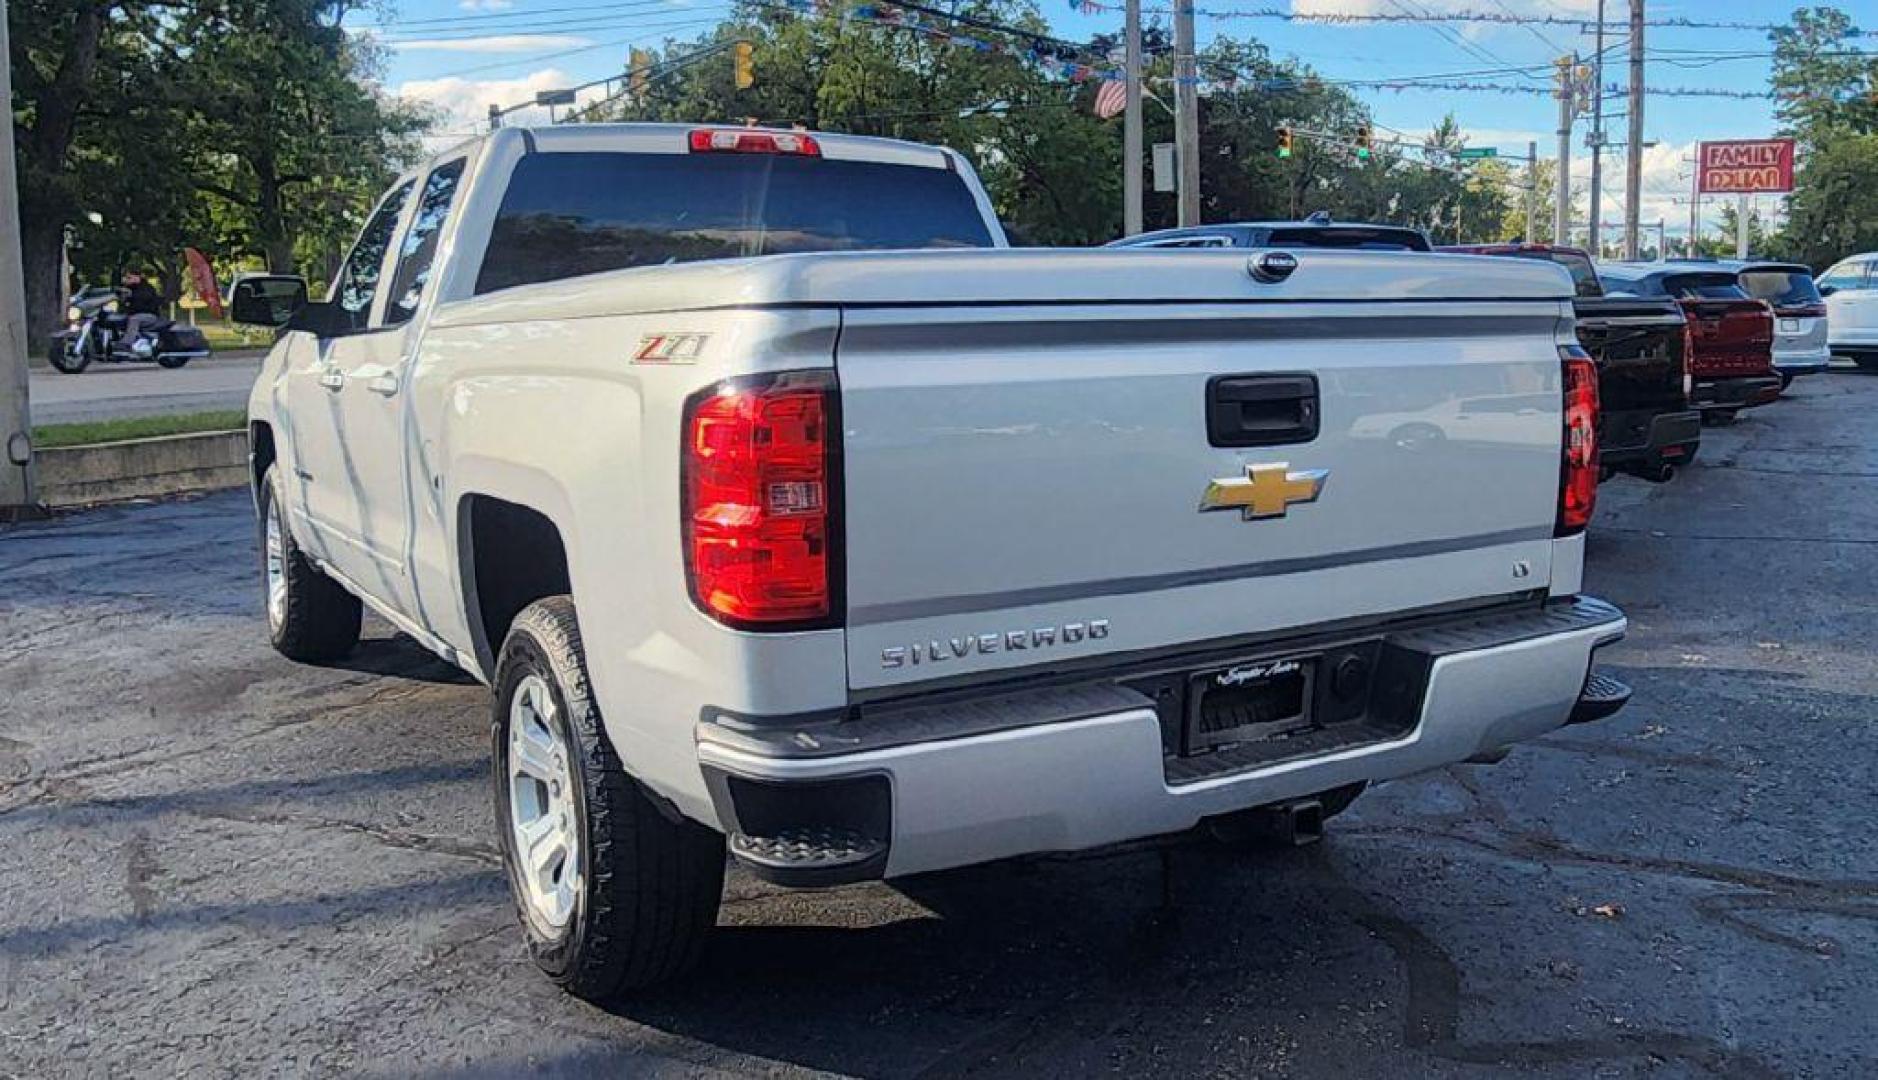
<point x="485" y="5"/>
<point x="462" y="105"/>
<point x="494" y="43"/>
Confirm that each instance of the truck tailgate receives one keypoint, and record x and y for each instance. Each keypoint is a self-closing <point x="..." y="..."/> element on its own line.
<point x="1024" y="482"/>
<point x="1731" y="337"/>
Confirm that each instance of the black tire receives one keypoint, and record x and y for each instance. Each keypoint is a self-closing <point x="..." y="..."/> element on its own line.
<point x="317" y="621"/>
<point x="1720" y="417"/>
<point x="651" y="881"/>
<point x="1786" y="380"/>
<point x="60" y="357"/>
<point x="1866" y="363"/>
<point x="1246" y="829"/>
<point x="171" y="361"/>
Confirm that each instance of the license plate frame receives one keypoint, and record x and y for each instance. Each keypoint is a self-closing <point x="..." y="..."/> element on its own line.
<point x="1789" y="326"/>
<point x="1250" y="701"/>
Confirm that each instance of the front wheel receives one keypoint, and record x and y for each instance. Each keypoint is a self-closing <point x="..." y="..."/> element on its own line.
<point x="310" y="617"/>
<point x="68" y="355"/>
<point x="171" y="360"/>
<point x="614" y="893"/>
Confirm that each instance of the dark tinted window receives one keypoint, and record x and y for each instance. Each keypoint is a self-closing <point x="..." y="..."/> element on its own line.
<point x="1781" y="288"/>
<point x="1716" y="286"/>
<point x="358" y="279"/>
<point x="1339" y="236"/>
<point x="570" y="214"/>
<point x="419" y="249"/>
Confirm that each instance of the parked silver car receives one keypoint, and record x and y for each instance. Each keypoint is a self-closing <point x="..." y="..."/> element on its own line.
<point x="1799" y="315"/>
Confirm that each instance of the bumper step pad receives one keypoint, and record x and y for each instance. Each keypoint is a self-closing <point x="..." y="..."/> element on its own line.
<point x="809" y="855"/>
<point x="1603" y="695"/>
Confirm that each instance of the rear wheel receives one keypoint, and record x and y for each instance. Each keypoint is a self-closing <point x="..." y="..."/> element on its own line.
<point x="310" y="617"/>
<point x="171" y="360"/>
<point x="614" y="894"/>
<point x="1786" y="380"/>
<point x="1868" y="362"/>
<point x="1720" y="417"/>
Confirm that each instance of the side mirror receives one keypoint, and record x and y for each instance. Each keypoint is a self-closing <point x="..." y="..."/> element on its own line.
<point x="1828" y="290"/>
<point x="269" y="300"/>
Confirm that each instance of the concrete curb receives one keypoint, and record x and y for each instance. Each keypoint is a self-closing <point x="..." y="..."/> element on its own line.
<point x="142" y="468"/>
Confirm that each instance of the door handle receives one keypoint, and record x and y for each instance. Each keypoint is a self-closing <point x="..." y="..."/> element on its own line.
<point x="379" y="379"/>
<point x="332" y="380"/>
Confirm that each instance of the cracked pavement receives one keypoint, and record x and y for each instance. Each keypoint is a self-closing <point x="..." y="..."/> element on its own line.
<point x="218" y="862"/>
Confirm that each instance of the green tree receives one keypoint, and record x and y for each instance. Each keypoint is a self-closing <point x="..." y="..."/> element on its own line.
<point x="1828" y="92"/>
<point x="284" y="104"/>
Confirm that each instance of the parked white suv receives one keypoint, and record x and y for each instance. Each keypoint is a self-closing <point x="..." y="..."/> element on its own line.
<point x="1851" y="291"/>
<point x="863" y="563"/>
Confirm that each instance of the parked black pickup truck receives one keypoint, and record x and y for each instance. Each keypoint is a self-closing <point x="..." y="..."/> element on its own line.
<point x="1640" y="345"/>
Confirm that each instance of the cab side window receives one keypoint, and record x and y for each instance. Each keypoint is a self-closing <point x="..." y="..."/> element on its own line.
<point x="358" y="278"/>
<point x="419" y="249"/>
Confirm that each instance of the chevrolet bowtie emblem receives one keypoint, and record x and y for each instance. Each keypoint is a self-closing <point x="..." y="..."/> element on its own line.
<point x="1267" y="491"/>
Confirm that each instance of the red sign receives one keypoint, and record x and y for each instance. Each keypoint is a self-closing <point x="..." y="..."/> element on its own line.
<point x="203" y="277"/>
<point x="1744" y="167"/>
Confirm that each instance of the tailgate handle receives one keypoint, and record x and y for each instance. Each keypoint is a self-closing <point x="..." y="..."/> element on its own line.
<point x="1261" y="410"/>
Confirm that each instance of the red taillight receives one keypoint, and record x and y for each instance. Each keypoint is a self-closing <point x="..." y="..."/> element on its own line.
<point x="1578" y="468"/>
<point x="759" y="469"/>
<point x="751" y="141"/>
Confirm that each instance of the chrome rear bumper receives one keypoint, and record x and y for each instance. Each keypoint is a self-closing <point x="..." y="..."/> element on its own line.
<point x="972" y="781"/>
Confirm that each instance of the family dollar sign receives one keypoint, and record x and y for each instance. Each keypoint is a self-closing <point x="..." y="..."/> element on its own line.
<point x="1745" y="167"/>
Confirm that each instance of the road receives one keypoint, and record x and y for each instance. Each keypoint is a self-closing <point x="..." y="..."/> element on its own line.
<point x="109" y="391"/>
<point x="220" y="862"/>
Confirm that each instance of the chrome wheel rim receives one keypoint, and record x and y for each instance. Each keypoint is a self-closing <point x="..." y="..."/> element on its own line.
<point x="276" y="558"/>
<point x="544" y="838"/>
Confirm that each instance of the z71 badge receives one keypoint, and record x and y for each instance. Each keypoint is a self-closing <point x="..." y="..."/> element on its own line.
<point x="670" y="348"/>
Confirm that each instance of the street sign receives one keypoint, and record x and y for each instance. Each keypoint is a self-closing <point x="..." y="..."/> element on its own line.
<point x="1163" y="155"/>
<point x="554" y="97"/>
<point x="1744" y="167"/>
<point x="1474" y="153"/>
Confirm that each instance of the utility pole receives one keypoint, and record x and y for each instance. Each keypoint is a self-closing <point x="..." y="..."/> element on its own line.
<point x="1633" y="153"/>
<point x="1186" y="113"/>
<point x="1597" y="141"/>
<point x="1562" y="214"/>
<point x="1741" y="227"/>
<point x="1131" y="125"/>
<point x="19" y="496"/>
<point x="1532" y="189"/>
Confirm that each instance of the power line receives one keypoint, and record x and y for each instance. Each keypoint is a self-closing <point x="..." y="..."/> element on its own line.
<point x="1457" y="16"/>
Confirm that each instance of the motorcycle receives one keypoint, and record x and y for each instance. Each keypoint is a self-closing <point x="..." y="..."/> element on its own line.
<point x="96" y="329"/>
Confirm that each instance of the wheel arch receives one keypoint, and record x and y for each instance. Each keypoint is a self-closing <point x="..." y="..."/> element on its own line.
<point x="510" y="552"/>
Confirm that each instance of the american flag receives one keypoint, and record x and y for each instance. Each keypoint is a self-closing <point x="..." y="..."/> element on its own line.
<point x="1111" y="98"/>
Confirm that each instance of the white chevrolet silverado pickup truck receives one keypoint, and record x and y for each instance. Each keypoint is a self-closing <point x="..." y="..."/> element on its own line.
<point x="788" y="511"/>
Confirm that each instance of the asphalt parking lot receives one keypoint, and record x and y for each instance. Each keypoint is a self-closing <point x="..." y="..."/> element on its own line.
<point x="219" y="863"/>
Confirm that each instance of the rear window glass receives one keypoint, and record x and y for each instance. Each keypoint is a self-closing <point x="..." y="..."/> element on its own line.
<point x="1781" y="288"/>
<point x="1719" y="286"/>
<point x="570" y="214"/>
<point x="1334" y="236"/>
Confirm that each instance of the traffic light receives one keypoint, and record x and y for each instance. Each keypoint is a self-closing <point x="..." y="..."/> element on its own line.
<point x="1284" y="142"/>
<point x="1362" y="142"/>
<point x="746" y="69"/>
<point x="637" y="63"/>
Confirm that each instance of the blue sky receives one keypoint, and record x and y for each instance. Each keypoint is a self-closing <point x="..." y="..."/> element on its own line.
<point x="462" y="54"/>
